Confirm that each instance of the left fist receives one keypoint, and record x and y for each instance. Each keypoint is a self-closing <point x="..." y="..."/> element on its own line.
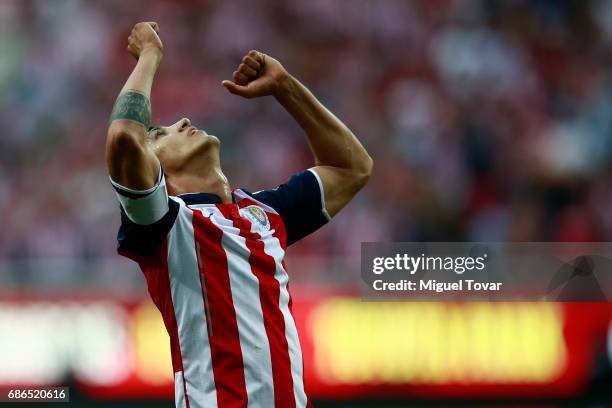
<point x="257" y="75"/>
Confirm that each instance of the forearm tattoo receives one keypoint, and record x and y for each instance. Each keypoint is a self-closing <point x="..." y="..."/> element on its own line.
<point x="133" y="105"/>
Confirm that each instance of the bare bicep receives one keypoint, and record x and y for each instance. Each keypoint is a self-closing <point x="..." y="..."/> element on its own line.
<point x="131" y="162"/>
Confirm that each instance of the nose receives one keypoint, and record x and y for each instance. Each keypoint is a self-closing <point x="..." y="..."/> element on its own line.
<point x="184" y="124"/>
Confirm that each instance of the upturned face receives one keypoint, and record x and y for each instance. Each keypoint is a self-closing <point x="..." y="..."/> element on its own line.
<point x="181" y="144"/>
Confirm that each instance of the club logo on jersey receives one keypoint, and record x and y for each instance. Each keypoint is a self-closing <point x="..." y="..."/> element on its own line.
<point x="256" y="215"/>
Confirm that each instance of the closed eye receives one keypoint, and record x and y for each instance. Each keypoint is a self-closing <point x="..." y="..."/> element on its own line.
<point x="155" y="132"/>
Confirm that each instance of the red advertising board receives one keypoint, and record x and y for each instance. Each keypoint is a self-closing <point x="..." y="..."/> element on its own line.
<point x="119" y="349"/>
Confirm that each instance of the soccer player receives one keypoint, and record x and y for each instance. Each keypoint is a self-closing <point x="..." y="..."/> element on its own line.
<point x="212" y="256"/>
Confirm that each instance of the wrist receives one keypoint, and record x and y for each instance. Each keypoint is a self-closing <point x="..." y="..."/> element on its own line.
<point x="284" y="85"/>
<point x="152" y="53"/>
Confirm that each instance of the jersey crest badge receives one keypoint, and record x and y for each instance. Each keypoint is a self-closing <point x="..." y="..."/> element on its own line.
<point x="256" y="215"/>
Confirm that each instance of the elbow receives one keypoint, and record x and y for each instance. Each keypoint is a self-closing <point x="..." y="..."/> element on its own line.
<point x="369" y="165"/>
<point x="122" y="145"/>
<point x="121" y="141"/>
<point x="363" y="173"/>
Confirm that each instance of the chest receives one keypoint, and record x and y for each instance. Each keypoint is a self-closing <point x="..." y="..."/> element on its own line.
<point x="246" y="232"/>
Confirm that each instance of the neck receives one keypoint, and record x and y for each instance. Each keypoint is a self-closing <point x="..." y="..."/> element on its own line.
<point x="213" y="182"/>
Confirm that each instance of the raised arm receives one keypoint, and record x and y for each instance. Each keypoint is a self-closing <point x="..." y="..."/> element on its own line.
<point x="130" y="161"/>
<point x="341" y="162"/>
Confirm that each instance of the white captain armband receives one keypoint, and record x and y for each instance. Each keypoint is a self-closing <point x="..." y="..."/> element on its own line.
<point x="144" y="207"/>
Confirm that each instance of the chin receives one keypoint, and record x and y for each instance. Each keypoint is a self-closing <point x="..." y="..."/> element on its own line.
<point x="211" y="140"/>
<point x="209" y="144"/>
<point x="202" y="134"/>
<point x="214" y="139"/>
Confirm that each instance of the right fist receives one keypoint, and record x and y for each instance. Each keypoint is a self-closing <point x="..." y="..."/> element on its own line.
<point x="144" y="36"/>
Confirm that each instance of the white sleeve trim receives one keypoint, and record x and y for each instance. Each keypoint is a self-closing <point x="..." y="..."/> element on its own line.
<point x="149" y="208"/>
<point x="323" y="208"/>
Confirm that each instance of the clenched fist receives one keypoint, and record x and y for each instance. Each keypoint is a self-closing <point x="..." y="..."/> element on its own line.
<point x="144" y="36"/>
<point x="257" y="75"/>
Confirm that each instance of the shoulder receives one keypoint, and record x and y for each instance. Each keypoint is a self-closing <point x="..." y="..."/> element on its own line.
<point x="301" y="189"/>
<point x="299" y="202"/>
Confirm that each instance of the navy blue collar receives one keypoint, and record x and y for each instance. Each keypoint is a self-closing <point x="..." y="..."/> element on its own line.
<point x="202" y="198"/>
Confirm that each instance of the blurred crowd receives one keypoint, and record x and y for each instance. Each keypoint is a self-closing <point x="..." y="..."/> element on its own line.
<point x="487" y="120"/>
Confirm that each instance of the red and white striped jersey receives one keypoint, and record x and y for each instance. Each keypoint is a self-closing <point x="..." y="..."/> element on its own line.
<point x="216" y="273"/>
